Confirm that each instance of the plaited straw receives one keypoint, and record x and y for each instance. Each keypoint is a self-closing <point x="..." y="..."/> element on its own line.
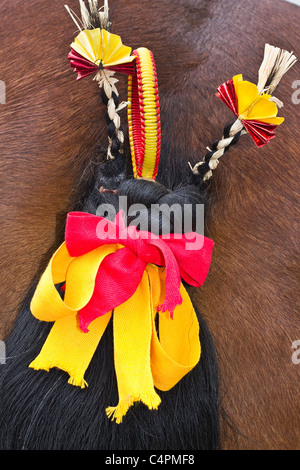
<point x="106" y="81"/>
<point x="276" y="62"/>
<point x="93" y="18"/>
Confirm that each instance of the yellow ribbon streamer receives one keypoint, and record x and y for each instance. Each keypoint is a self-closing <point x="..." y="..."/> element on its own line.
<point x="142" y="361"/>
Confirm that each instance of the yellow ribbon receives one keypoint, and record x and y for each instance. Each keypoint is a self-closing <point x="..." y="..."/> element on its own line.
<point x="98" y="45"/>
<point x="142" y="360"/>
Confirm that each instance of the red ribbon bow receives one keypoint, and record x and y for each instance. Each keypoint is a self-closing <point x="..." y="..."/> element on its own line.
<point x="120" y="272"/>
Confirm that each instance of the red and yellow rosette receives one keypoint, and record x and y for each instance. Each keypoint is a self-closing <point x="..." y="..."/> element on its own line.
<point x="257" y="112"/>
<point x="98" y="49"/>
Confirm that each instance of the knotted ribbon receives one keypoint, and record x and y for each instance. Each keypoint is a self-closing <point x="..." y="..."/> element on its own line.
<point x="110" y="269"/>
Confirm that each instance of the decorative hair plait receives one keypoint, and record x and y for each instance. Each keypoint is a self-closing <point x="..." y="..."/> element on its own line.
<point x="93" y="270"/>
<point x="256" y="112"/>
<point x="255" y="107"/>
<point x="98" y="50"/>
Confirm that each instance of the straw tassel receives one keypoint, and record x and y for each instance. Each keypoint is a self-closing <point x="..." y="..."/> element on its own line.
<point x="275" y="64"/>
<point x="91" y="16"/>
<point x="85" y="15"/>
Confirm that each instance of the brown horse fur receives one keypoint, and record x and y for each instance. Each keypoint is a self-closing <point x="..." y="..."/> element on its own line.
<point x="51" y="123"/>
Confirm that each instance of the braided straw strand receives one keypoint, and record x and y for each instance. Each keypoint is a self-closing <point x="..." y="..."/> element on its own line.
<point x="231" y="135"/>
<point x="91" y="19"/>
<point x="276" y="62"/>
<point x="109" y="93"/>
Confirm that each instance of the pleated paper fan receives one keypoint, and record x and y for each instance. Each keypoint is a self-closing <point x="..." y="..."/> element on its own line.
<point x="253" y="106"/>
<point x="256" y="111"/>
<point x="98" y="46"/>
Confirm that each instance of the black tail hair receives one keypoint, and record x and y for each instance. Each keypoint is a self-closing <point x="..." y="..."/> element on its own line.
<point x="40" y="411"/>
